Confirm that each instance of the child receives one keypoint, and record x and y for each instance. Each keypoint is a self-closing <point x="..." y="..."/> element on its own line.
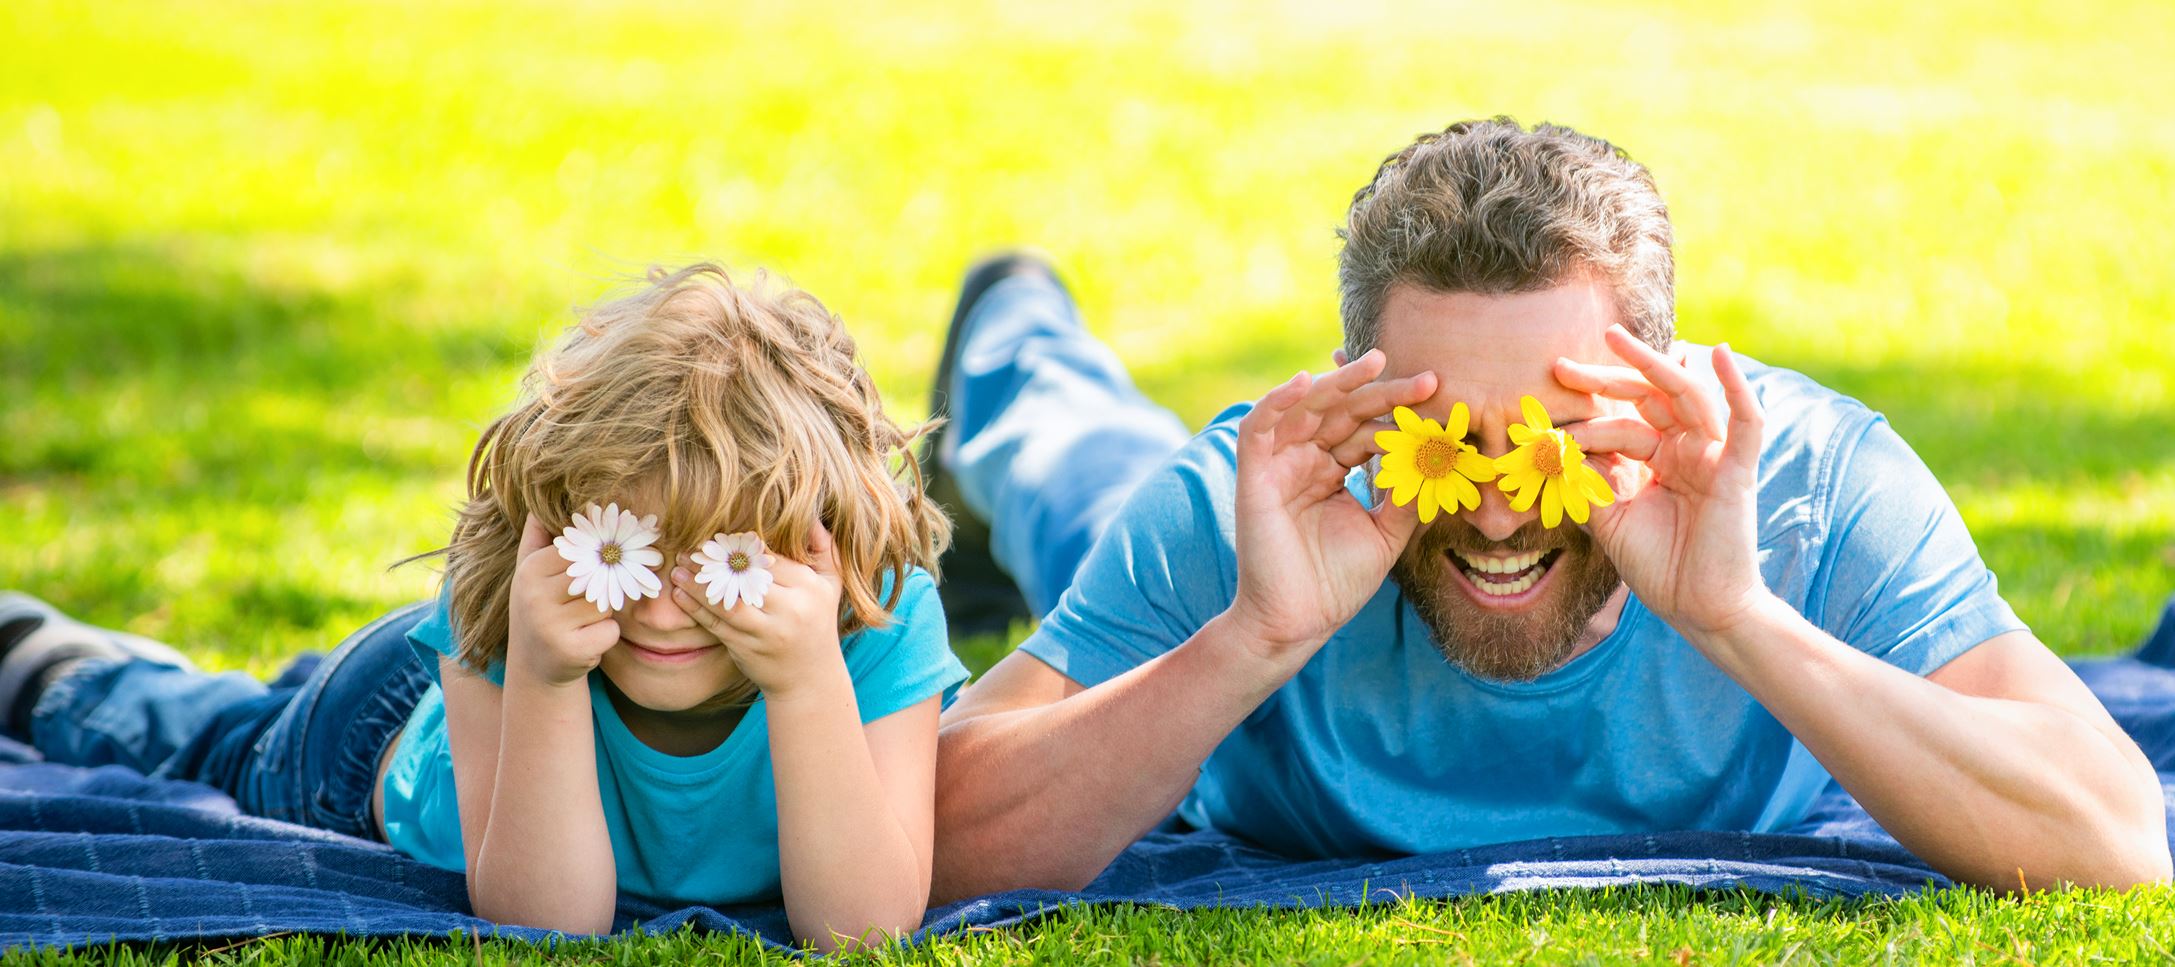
<point x="618" y="688"/>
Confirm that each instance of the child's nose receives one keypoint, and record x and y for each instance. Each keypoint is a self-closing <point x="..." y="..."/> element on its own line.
<point x="661" y="613"/>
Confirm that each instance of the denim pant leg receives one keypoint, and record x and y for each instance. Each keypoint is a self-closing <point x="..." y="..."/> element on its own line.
<point x="1048" y="434"/>
<point x="306" y="754"/>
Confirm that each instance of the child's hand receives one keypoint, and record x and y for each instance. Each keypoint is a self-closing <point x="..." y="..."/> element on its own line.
<point x="553" y="638"/>
<point x="792" y="634"/>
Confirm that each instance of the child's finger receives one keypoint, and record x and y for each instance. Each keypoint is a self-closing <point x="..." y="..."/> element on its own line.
<point x="822" y="551"/>
<point x="533" y="536"/>
<point x="726" y="626"/>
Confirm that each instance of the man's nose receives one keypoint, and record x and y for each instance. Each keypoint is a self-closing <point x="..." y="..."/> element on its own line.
<point x="1494" y="519"/>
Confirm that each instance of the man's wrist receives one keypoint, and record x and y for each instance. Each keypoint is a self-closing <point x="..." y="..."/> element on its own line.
<point x="1762" y="623"/>
<point x="1271" y="654"/>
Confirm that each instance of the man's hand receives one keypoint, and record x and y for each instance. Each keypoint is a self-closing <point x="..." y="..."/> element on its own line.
<point x="1686" y="543"/>
<point x="1309" y="556"/>
<point x="553" y="638"/>
<point x="794" y="632"/>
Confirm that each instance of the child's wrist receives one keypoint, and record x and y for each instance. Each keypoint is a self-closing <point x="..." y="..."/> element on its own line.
<point x="820" y="678"/>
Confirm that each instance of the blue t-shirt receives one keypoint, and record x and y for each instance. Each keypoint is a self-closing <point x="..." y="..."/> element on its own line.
<point x="1380" y="746"/>
<point x="685" y="829"/>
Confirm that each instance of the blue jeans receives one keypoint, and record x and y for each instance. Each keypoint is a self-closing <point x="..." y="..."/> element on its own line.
<point x="304" y="751"/>
<point x="1048" y="435"/>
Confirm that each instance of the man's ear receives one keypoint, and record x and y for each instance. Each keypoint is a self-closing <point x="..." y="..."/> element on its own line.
<point x="1338" y="356"/>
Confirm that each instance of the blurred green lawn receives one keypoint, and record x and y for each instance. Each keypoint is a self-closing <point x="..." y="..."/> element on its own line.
<point x="266" y="268"/>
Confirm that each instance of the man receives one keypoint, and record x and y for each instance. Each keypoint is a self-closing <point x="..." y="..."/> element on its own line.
<point x="1241" y="628"/>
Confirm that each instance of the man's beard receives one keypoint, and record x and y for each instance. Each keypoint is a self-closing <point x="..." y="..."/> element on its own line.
<point x="1491" y="644"/>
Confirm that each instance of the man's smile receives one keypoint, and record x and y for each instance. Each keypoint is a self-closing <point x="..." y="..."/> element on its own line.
<point x="1504" y="581"/>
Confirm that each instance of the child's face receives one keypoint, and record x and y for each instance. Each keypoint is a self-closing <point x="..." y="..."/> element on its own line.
<point x="664" y="660"/>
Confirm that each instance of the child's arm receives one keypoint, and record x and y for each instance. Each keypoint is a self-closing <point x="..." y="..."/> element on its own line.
<point x="524" y="760"/>
<point x="856" y="805"/>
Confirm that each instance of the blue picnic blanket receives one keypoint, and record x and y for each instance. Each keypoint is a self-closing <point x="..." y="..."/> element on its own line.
<point x="92" y="855"/>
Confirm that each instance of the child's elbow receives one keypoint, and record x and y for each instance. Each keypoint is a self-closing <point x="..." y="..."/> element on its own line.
<point x="878" y="928"/>
<point x="567" y="918"/>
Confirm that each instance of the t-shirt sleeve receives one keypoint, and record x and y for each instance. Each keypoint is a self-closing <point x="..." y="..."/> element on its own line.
<point x="908" y="661"/>
<point x="1900" y="577"/>
<point x="432" y="637"/>
<point x="1162" y="569"/>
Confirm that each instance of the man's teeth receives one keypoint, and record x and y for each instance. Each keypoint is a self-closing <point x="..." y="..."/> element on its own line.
<point x="1506" y="590"/>
<point x="1493" y="564"/>
<point x="1491" y="574"/>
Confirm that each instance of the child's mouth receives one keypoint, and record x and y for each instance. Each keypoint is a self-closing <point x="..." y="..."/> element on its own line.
<point x="667" y="656"/>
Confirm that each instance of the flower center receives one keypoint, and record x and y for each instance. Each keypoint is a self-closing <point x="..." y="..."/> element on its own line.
<point x="1436" y="458"/>
<point x="610" y="553"/>
<point x="738" y="561"/>
<point x="1548" y="457"/>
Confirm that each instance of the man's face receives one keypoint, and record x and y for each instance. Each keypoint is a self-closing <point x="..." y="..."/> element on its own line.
<point x="1506" y="598"/>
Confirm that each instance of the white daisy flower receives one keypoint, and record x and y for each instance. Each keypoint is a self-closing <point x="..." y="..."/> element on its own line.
<point x="736" y="567"/>
<point x="610" y="557"/>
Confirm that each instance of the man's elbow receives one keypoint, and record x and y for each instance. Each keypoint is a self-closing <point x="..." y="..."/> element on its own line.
<point x="2123" y="848"/>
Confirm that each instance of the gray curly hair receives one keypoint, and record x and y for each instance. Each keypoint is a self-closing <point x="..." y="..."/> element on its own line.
<point x="1491" y="207"/>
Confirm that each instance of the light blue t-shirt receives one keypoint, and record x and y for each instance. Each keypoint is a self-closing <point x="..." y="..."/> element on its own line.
<point x="1380" y="746"/>
<point x="685" y="829"/>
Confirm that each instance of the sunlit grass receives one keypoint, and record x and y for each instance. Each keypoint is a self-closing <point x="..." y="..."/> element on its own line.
<point x="265" y="270"/>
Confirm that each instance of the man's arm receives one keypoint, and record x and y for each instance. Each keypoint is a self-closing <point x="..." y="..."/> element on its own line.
<point x="2000" y="769"/>
<point x="1041" y="783"/>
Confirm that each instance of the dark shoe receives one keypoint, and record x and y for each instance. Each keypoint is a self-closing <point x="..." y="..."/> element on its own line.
<point x="2160" y="648"/>
<point x="978" y="597"/>
<point x="35" y="637"/>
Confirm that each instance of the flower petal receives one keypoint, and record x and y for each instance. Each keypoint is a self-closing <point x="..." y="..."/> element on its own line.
<point x="1528" y="492"/>
<point x="1475" y="467"/>
<point x="1461" y="419"/>
<point x="1467" y="495"/>
<point x="643" y="556"/>
<point x="1574" y="502"/>
<point x="1429" y="503"/>
<point x="1407" y="420"/>
<point x="1395" y="441"/>
<point x="647" y="581"/>
<point x="1536" y="415"/>
<point x="1597" y="486"/>
<point x="1551" y="503"/>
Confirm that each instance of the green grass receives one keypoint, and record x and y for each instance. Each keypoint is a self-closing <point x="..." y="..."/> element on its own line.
<point x="266" y="268"/>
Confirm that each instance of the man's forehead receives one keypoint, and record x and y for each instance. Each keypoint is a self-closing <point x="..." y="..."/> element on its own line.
<point x="1492" y="348"/>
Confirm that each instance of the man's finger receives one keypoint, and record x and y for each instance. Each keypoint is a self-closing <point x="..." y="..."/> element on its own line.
<point x="1618" y="383"/>
<point x="1358" y="446"/>
<point x="1629" y="436"/>
<point x="1746" y="422"/>
<point x="1350" y="376"/>
<point x="1396" y="524"/>
<point x="1257" y="429"/>
<point x="1368" y="404"/>
<point x="1615" y="382"/>
<point x="1693" y="403"/>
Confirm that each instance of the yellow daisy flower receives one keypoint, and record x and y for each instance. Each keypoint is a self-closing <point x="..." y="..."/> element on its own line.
<point x="1426" y="460"/>
<point x="1548" y="465"/>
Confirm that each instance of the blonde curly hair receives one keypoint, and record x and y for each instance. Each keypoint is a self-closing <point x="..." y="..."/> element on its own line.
<point x="742" y="406"/>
